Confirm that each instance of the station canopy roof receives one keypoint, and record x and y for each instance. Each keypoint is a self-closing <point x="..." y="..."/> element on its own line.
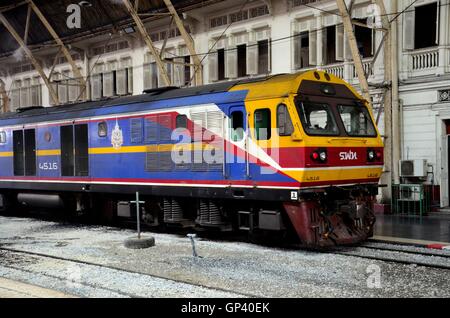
<point x="97" y="17"/>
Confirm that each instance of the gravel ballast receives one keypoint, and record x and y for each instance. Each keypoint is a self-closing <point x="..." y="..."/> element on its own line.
<point x="225" y="269"/>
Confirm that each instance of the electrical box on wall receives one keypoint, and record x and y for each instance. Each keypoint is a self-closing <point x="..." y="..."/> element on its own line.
<point x="413" y="168"/>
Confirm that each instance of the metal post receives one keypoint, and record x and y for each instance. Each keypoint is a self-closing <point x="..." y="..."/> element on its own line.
<point x="192" y="237"/>
<point x="138" y="213"/>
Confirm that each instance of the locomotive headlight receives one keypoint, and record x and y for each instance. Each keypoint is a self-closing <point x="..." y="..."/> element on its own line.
<point x="319" y="155"/>
<point x="371" y="155"/>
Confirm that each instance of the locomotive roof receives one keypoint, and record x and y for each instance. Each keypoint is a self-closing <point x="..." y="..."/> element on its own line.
<point x="151" y="95"/>
<point x="261" y="87"/>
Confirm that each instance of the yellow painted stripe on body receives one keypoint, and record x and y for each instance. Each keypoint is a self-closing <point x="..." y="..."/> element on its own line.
<point x="150" y="148"/>
<point x="339" y="173"/>
<point x="108" y="150"/>
<point x="50" y="152"/>
<point x="6" y="154"/>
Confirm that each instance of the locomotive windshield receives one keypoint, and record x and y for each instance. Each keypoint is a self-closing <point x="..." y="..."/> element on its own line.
<point x="356" y="120"/>
<point x="322" y="119"/>
<point x="317" y="119"/>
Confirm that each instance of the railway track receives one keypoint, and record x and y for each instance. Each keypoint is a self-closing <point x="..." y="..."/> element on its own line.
<point x="403" y="254"/>
<point x="112" y="272"/>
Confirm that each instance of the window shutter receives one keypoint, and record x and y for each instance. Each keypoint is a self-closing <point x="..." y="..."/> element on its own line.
<point x="15" y="99"/>
<point x="130" y="80"/>
<point x="408" y="29"/>
<point x="178" y="74"/>
<point x="108" y="84"/>
<point x="96" y="86"/>
<point x="297" y="43"/>
<point x="252" y="58"/>
<point x="35" y="95"/>
<point x="161" y="82"/>
<point x="322" y="59"/>
<point x="340" y="42"/>
<point x="62" y="92"/>
<point x="74" y="90"/>
<point x="313" y="47"/>
<point x="121" y="82"/>
<point x="213" y="60"/>
<point x="55" y="89"/>
<point x="347" y="51"/>
<point x="148" y="76"/>
<point x="438" y="5"/>
<point x="231" y="63"/>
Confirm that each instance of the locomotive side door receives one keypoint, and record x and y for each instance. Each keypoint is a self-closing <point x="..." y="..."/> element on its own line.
<point x="236" y="157"/>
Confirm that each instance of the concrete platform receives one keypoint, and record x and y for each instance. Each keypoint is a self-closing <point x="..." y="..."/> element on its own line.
<point x="14" y="289"/>
<point x="426" y="230"/>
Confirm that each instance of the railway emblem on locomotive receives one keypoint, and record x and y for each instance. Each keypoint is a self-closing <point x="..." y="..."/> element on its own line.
<point x="350" y="155"/>
<point x="117" y="137"/>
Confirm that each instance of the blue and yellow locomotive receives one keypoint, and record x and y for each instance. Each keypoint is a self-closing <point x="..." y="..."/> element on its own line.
<point x="292" y="153"/>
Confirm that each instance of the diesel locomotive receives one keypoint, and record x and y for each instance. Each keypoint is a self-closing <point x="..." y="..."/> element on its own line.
<point x="291" y="154"/>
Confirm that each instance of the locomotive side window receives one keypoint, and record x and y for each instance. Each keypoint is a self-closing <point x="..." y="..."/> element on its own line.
<point x="19" y="156"/>
<point x="2" y="137"/>
<point x="357" y="121"/>
<point x="24" y="148"/>
<point x="102" y="129"/>
<point x="237" y="126"/>
<point x="263" y="125"/>
<point x="284" y="122"/>
<point x="317" y="119"/>
<point x="181" y="121"/>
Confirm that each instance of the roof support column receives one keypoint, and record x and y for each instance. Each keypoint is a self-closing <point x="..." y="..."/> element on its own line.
<point x="30" y="55"/>
<point x="64" y="50"/>
<point x="198" y="69"/>
<point x="148" y="41"/>
<point x="346" y="20"/>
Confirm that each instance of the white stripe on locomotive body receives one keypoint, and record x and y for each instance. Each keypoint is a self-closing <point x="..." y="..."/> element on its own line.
<point x="231" y="186"/>
<point x="184" y="110"/>
<point x="252" y="148"/>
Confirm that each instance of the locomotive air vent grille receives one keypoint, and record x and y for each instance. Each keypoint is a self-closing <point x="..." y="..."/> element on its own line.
<point x="151" y="130"/>
<point x="136" y="130"/>
<point x="151" y="161"/>
<point x="164" y="131"/>
<point x="165" y="161"/>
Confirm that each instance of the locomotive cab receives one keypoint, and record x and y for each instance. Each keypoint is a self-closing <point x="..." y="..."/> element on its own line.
<point x="323" y="137"/>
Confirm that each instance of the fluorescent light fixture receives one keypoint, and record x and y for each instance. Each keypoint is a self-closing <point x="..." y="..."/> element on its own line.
<point x="129" y="30"/>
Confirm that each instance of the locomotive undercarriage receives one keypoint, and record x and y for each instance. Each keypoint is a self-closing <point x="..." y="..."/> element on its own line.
<point x="319" y="218"/>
